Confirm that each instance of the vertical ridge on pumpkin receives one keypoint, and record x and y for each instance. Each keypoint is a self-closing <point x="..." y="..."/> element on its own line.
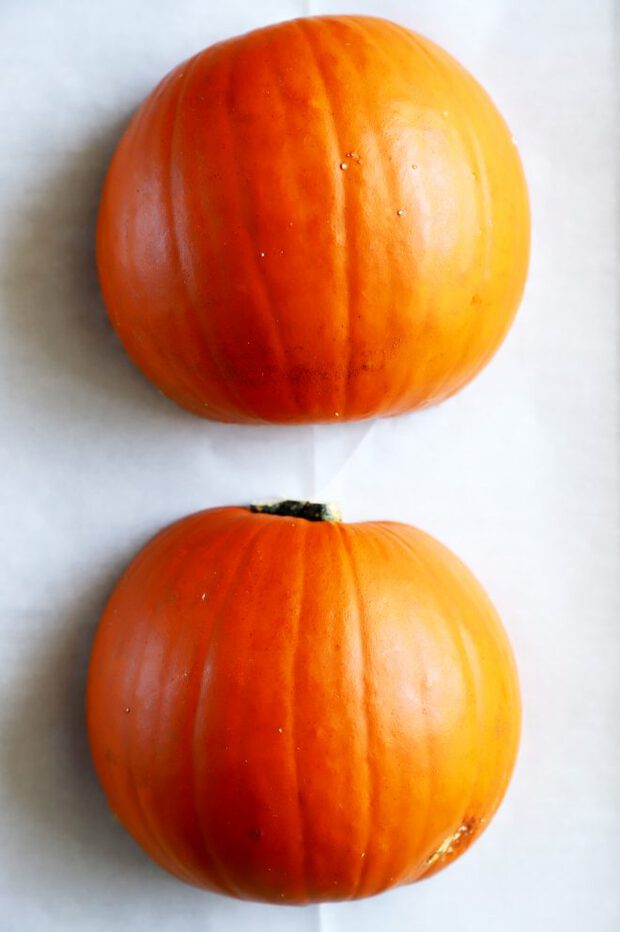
<point x="200" y="214"/>
<point x="194" y="321"/>
<point x="268" y="310"/>
<point x="394" y="540"/>
<point x="167" y="857"/>
<point x="382" y="187"/>
<point x="185" y="315"/>
<point x="300" y="593"/>
<point x="213" y="873"/>
<point x="342" y="113"/>
<point x="340" y="197"/>
<point x="222" y="873"/>
<point x="353" y="585"/>
<point x="466" y="670"/>
<point x="485" y="207"/>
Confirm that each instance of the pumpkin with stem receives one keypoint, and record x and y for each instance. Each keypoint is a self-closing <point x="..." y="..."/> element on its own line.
<point x="287" y="708"/>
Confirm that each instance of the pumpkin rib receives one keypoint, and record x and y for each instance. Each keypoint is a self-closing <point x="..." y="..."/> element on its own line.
<point x="355" y="600"/>
<point x="349" y="247"/>
<point x="195" y="325"/>
<point x="242" y="411"/>
<point x="485" y="206"/>
<point x="339" y="191"/>
<point x="209" y="554"/>
<point x="348" y="373"/>
<point x="379" y="162"/>
<point x="403" y="390"/>
<point x="467" y="590"/>
<point x="396" y="541"/>
<point x="249" y="232"/>
<point x="301" y="816"/>
<point x="363" y="28"/>
<point x="192" y="321"/>
<point x="428" y="52"/>
<point x="163" y="846"/>
<point x="294" y="392"/>
<point x="203" y="322"/>
<point x="175" y="530"/>
<point x="472" y="691"/>
<point x="359" y="27"/>
<point x="421" y="45"/>
<point x="228" y="594"/>
<point x="154" y="107"/>
<point x="147" y="828"/>
<point x="173" y="578"/>
<point x="186" y="314"/>
<point x="166" y="97"/>
<point x="433" y="55"/>
<point x="392" y="873"/>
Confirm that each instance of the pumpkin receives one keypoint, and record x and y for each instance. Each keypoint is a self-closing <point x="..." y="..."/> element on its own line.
<point x="324" y="219"/>
<point x="287" y="708"/>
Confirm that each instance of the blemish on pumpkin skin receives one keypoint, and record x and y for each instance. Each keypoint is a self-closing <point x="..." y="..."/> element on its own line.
<point x="452" y="843"/>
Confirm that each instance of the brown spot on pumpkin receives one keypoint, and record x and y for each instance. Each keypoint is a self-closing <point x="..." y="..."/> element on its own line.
<point x="453" y="842"/>
<point x="476" y="300"/>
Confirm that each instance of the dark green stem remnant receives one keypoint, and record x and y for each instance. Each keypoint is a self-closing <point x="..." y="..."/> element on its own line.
<point x="309" y="511"/>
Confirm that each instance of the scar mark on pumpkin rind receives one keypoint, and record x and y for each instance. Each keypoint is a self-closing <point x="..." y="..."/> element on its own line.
<point x="451" y="844"/>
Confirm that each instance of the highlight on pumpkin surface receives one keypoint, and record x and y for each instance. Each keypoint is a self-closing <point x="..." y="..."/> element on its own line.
<point x="289" y="708"/>
<point x="324" y="219"/>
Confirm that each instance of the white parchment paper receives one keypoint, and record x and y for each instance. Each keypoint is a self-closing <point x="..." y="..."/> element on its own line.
<point x="519" y="473"/>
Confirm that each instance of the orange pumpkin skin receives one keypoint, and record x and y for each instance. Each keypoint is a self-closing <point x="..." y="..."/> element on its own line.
<point x="323" y="219"/>
<point x="295" y="711"/>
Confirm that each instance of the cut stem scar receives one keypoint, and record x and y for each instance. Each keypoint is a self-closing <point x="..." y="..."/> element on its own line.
<point x="309" y="511"/>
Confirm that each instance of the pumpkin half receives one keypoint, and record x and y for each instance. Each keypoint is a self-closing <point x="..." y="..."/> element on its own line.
<point x="324" y="219"/>
<point x="286" y="708"/>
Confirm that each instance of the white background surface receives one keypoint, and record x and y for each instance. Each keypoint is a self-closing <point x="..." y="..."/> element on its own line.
<point x="519" y="474"/>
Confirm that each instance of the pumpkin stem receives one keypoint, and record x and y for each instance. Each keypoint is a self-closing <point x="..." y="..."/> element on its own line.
<point x="309" y="511"/>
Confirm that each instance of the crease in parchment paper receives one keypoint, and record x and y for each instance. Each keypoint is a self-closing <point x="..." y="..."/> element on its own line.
<point x="334" y="447"/>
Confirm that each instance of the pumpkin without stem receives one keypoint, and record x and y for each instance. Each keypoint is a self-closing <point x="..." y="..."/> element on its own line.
<point x="324" y="219"/>
<point x="285" y="708"/>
